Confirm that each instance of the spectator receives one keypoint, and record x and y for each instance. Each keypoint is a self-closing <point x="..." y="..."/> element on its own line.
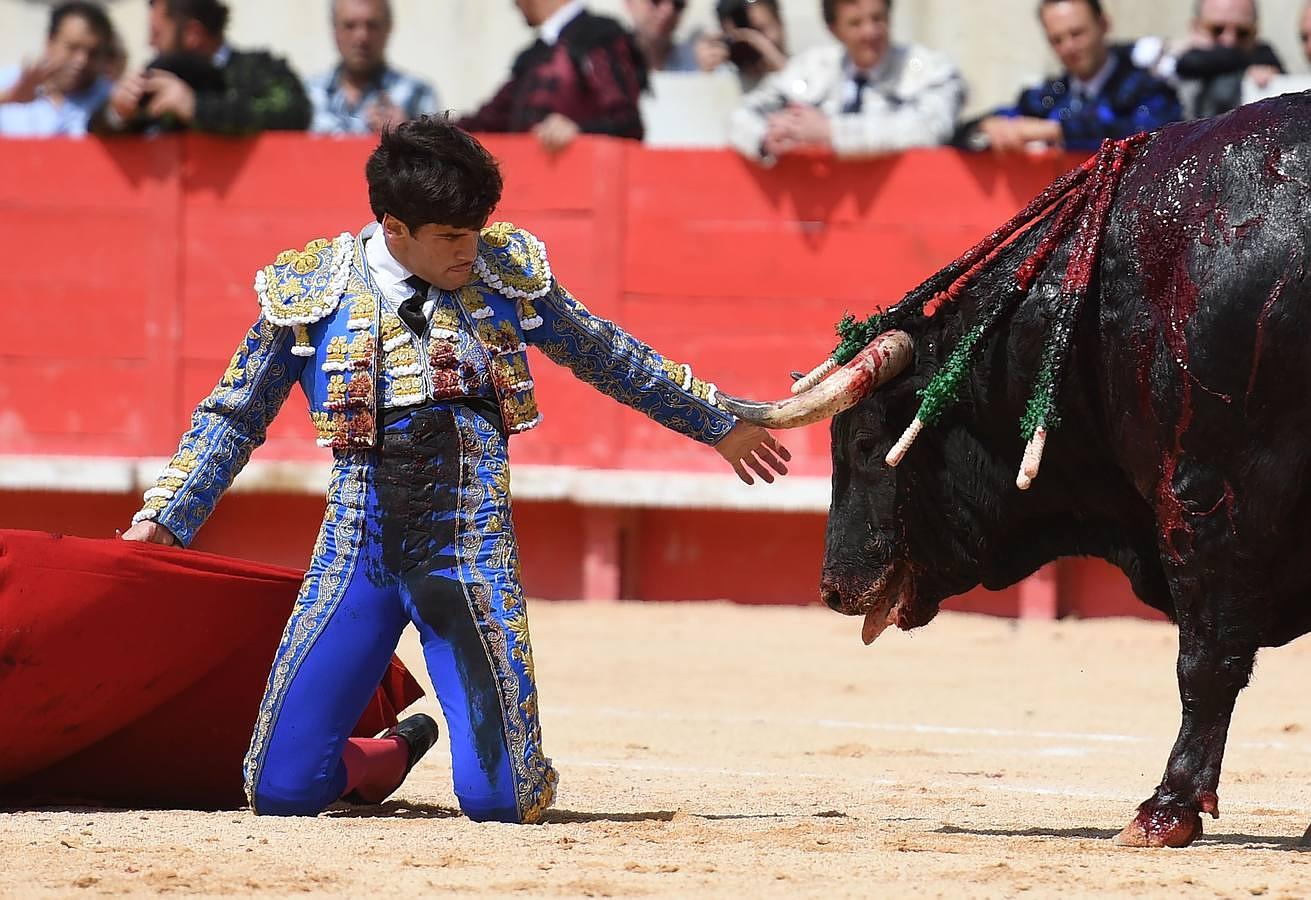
<point x="750" y="40"/>
<point x="1209" y="64"/>
<point x="1101" y="94"/>
<point x="1306" y="31"/>
<point x="584" y="73"/>
<point x="363" y="94"/>
<point x="654" y="24"/>
<point x="256" y="91"/>
<point x="1226" y="50"/>
<point x="57" y="94"/>
<point x="859" y="97"/>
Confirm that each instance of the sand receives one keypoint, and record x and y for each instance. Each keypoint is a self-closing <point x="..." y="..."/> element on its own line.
<point x="719" y="751"/>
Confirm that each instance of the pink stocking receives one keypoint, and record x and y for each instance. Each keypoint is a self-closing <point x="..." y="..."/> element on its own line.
<point x="374" y="766"/>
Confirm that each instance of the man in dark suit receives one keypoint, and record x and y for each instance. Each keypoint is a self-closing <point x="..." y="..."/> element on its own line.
<point x="257" y="91"/>
<point x="1101" y="93"/>
<point x="583" y="74"/>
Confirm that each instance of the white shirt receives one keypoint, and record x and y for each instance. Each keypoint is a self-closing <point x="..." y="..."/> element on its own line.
<point x="387" y="273"/>
<point x="549" y="31"/>
<point x="1093" y="86"/>
<point x="872" y="76"/>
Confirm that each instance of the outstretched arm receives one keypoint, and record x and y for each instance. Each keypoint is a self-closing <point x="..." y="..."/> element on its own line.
<point x="604" y="355"/>
<point x="225" y="429"/>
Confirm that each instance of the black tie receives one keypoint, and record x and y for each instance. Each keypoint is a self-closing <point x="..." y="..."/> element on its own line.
<point x="411" y="309"/>
<point x="859" y="80"/>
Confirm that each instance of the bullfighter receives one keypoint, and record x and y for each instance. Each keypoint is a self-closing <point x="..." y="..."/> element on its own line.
<point x="409" y="340"/>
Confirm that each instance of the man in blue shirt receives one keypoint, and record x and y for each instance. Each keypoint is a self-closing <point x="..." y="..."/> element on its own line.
<point x="56" y="95"/>
<point x="1101" y="94"/>
<point x="363" y="94"/>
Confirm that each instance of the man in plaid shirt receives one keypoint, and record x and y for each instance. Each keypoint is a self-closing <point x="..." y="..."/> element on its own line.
<point x="362" y="94"/>
<point x="583" y="74"/>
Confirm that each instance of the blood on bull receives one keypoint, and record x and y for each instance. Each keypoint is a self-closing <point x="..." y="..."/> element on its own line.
<point x="1121" y="371"/>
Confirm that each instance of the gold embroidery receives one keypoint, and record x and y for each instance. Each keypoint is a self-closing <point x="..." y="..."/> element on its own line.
<point x="336" y="351"/>
<point x="336" y="392"/>
<point x="391" y="326"/>
<point x="445" y="319"/>
<point x="364" y="307"/>
<point x="510" y="373"/>
<point x="361" y="354"/>
<point x="307" y="260"/>
<point x="346" y="492"/>
<point x="482" y="448"/>
<point x="237" y="365"/>
<point x="515" y="264"/>
<point x="701" y="390"/>
<point x="498" y="234"/>
<point x="403" y="356"/>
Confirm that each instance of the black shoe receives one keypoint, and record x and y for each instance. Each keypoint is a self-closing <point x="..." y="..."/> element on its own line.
<point x="419" y="732"/>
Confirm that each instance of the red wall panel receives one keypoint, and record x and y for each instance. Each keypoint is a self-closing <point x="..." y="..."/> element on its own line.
<point x="135" y="286"/>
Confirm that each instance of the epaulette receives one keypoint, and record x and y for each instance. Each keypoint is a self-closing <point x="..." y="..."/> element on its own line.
<point x="303" y="286"/>
<point x="513" y="262"/>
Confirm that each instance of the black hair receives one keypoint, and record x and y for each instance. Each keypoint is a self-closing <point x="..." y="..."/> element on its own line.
<point x="430" y="171"/>
<point x="212" y="15"/>
<point x="92" y="13"/>
<point x="1094" y="5"/>
<point x="725" y="9"/>
<point x="830" y="9"/>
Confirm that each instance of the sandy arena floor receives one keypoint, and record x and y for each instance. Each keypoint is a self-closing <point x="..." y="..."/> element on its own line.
<point x="737" y="752"/>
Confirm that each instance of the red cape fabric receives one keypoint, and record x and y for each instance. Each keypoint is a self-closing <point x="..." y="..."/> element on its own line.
<point x="130" y="674"/>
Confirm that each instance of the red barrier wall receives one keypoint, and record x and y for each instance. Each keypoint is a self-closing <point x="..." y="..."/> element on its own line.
<point x="133" y="284"/>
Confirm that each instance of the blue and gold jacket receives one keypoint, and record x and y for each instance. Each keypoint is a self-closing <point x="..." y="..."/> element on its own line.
<point x="325" y="325"/>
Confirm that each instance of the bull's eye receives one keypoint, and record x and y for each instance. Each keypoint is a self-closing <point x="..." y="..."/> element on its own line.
<point x="866" y="445"/>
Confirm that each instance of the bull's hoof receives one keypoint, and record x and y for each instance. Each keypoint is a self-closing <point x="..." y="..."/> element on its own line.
<point x="1161" y="826"/>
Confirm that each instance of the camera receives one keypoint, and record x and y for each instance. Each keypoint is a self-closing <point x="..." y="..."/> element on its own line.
<point x="740" y="53"/>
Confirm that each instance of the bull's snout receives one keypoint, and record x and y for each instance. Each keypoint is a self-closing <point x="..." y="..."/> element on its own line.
<point x="831" y="596"/>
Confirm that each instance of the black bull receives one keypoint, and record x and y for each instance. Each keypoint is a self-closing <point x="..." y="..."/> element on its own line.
<point x="1183" y="454"/>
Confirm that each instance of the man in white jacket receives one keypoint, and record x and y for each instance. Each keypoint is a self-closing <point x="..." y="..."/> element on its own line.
<point x="863" y="96"/>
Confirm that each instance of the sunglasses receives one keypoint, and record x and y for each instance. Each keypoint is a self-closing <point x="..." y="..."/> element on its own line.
<point x="1241" y="32"/>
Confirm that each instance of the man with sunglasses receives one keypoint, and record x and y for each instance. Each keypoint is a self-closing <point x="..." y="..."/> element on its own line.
<point x="1208" y="66"/>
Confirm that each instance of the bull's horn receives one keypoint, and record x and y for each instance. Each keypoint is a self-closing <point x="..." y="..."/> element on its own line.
<point x="878" y="363"/>
<point x="1032" y="458"/>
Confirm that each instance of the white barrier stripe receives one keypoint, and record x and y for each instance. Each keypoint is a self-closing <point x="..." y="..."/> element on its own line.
<point x="627" y="488"/>
<point x="903" y="728"/>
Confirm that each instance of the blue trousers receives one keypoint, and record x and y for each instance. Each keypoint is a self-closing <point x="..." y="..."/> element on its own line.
<point x="418" y="531"/>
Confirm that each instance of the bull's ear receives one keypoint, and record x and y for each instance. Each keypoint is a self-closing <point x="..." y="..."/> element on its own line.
<point x="878" y="363"/>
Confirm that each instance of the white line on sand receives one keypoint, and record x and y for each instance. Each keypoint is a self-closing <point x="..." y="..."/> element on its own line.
<point x="957" y="786"/>
<point x="900" y="728"/>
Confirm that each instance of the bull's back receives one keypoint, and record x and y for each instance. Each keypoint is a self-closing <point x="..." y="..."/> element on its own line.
<point x="1204" y="318"/>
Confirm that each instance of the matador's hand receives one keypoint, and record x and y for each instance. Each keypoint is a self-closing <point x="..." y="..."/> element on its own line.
<point x="752" y="446"/>
<point x="150" y="533"/>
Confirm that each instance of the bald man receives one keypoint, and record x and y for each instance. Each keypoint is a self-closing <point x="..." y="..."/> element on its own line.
<point x="363" y="94"/>
<point x="1224" y="48"/>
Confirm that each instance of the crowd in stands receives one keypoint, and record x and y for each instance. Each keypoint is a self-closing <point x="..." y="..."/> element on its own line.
<point x="861" y="94"/>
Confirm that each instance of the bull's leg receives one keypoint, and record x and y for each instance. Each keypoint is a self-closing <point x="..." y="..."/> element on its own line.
<point x="1215" y="662"/>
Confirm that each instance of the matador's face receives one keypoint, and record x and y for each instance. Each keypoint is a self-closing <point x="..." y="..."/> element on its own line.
<point x="441" y="255"/>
